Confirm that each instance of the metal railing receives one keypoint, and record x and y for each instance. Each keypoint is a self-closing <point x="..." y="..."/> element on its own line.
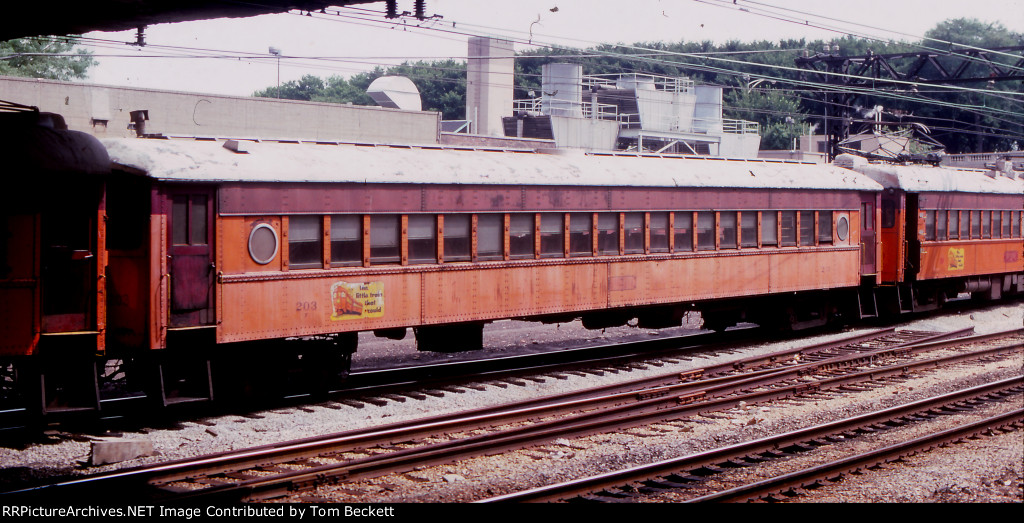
<point x="586" y="109"/>
<point x="638" y="81"/>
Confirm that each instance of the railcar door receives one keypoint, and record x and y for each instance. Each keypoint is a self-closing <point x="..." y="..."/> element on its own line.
<point x="892" y="235"/>
<point x="68" y="262"/>
<point x="867" y="234"/>
<point x="190" y="254"/>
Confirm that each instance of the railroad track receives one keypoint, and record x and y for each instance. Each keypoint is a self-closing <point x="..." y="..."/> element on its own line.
<point x="278" y="470"/>
<point x="687" y="471"/>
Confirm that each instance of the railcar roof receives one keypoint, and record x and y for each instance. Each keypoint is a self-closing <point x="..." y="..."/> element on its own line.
<point x="209" y="161"/>
<point x="919" y="178"/>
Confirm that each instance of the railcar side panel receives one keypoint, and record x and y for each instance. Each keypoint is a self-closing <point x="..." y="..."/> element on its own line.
<point x="970" y="258"/>
<point x="19" y="284"/>
<point x="254" y="199"/>
<point x="972" y="249"/>
<point x="297" y="303"/>
<point x="279" y="305"/>
<point x="803" y="271"/>
<point x="159" y="282"/>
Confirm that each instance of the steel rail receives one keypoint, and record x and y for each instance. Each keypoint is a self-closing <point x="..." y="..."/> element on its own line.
<point x="614" y="418"/>
<point x="862" y="461"/>
<point x="740" y="450"/>
<point x="315" y="446"/>
<point x="632" y="392"/>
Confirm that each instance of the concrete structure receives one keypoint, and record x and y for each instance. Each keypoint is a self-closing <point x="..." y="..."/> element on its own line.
<point x="792" y="154"/>
<point x="489" y="74"/>
<point x="1015" y="159"/>
<point x="631" y="112"/>
<point x="106" y="111"/>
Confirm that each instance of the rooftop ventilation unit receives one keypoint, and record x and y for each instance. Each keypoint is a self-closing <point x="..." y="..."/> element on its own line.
<point x="395" y="92"/>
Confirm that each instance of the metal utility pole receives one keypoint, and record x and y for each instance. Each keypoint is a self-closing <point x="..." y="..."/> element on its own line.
<point x="876" y="71"/>
<point x="277" y="52"/>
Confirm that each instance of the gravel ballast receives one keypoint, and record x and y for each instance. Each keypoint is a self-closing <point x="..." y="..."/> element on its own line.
<point x="983" y="470"/>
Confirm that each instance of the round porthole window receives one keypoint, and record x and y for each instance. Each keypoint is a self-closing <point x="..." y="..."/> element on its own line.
<point x="263" y="244"/>
<point x="843" y="228"/>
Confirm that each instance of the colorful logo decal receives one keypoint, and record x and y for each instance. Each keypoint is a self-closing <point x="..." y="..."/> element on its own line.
<point x="956" y="259"/>
<point x="357" y="300"/>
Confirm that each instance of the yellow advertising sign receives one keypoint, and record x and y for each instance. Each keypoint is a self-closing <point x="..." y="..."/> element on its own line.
<point x="956" y="258"/>
<point x="357" y="300"/>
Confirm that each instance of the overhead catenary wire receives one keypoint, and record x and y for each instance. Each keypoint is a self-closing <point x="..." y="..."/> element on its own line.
<point x="638" y="53"/>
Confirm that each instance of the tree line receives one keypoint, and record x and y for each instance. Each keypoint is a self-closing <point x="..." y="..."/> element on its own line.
<point x="759" y="79"/>
<point x="963" y="121"/>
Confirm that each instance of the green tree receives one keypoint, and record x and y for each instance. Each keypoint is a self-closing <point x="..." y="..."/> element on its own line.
<point x="988" y="117"/>
<point x="778" y="114"/>
<point x="781" y="102"/>
<point x="442" y="86"/>
<point x="45" y="57"/>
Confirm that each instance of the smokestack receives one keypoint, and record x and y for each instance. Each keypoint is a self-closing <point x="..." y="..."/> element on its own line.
<point x="489" y="84"/>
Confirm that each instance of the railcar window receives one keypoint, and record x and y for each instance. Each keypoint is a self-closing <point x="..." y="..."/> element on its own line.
<point x="346" y="240"/>
<point x="659" y="232"/>
<point x="888" y="214"/>
<point x="197" y="220"/>
<point x="179" y="220"/>
<point x="965" y="225"/>
<point x="633" y="227"/>
<point x="385" y="239"/>
<point x="705" y="231"/>
<point x="806" y="228"/>
<point x="1015" y="217"/>
<point x="305" y="242"/>
<point x="824" y="226"/>
<point x="868" y="213"/>
<point x="490" y="236"/>
<point x="748" y="229"/>
<point x="580" y="234"/>
<point x="727" y="230"/>
<point x="975" y="224"/>
<point x="997" y="224"/>
<point x="422" y="238"/>
<point x="457" y="237"/>
<point x="986" y="224"/>
<point x="520" y="236"/>
<point x="788" y="220"/>
<point x="940" y="224"/>
<point x="608" y="233"/>
<point x="683" y="232"/>
<point x="954" y="225"/>
<point x="769" y="228"/>
<point x="188" y="220"/>
<point x="929" y="225"/>
<point x="552" y="235"/>
<point x="1007" y="218"/>
<point x="843" y="228"/>
<point x="263" y="243"/>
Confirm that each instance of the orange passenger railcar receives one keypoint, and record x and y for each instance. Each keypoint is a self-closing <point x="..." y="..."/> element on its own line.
<point x="202" y="268"/>
<point x="318" y="239"/>
<point x="947" y="231"/>
<point x="53" y="259"/>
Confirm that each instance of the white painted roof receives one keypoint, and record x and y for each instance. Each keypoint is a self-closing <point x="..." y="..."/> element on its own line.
<point x="208" y="161"/>
<point x="920" y="178"/>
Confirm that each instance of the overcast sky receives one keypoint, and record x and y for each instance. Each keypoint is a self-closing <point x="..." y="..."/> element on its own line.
<point x="354" y="45"/>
